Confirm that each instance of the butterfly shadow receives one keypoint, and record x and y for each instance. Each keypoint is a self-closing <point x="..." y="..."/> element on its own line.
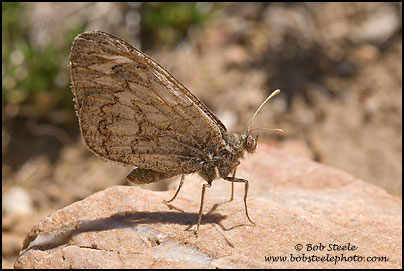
<point x="209" y="217"/>
<point x="128" y="219"/>
<point x="206" y="220"/>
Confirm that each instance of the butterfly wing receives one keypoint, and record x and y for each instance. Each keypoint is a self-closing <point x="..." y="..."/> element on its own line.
<point x="132" y="111"/>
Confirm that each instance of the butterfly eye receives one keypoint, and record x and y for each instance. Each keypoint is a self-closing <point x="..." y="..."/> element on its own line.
<point x="250" y="144"/>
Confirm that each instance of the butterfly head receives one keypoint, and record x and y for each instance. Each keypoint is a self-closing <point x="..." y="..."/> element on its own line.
<point x="250" y="143"/>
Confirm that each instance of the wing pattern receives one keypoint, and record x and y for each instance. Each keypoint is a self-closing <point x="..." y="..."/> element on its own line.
<point x="132" y="111"/>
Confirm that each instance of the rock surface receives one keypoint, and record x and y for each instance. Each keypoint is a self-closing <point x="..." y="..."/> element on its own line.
<point x="306" y="215"/>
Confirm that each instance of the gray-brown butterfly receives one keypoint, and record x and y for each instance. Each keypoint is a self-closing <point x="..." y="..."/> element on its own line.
<point x="132" y="111"/>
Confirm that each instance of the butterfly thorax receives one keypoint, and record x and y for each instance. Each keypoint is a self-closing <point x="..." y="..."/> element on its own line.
<point x="226" y="159"/>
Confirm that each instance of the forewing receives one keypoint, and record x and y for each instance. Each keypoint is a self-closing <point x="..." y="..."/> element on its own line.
<point x="134" y="112"/>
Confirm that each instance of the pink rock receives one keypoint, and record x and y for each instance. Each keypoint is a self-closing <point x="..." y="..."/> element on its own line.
<point x="306" y="214"/>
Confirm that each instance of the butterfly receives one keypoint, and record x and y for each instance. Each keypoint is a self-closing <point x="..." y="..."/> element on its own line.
<point x="134" y="112"/>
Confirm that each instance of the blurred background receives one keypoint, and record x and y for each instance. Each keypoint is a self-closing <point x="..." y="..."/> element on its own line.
<point x="338" y="65"/>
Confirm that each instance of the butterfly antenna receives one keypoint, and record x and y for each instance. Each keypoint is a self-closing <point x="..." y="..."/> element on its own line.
<point x="277" y="130"/>
<point x="259" y="108"/>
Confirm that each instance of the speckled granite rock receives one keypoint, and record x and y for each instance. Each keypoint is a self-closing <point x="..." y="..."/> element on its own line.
<point x="306" y="215"/>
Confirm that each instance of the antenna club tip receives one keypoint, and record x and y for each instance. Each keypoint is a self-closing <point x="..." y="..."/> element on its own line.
<point x="280" y="131"/>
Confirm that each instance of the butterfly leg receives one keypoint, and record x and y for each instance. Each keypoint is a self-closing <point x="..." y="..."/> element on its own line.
<point x="237" y="180"/>
<point x="201" y="208"/>
<point x="232" y="184"/>
<point x="178" y="190"/>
